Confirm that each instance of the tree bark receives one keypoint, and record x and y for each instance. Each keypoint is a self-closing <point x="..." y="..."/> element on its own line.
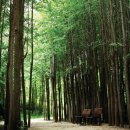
<point x="31" y="69"/>
<point x="54" y="91"/>
<point x="24" y="96"/>
<point x="125" y="51"/>
<point x="48" y="98"/>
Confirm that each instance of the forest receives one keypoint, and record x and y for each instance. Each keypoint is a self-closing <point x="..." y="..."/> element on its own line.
<point x="58" y="57"/>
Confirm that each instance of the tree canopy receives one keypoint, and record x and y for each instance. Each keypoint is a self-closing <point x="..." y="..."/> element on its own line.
<point x="59" y="57"/>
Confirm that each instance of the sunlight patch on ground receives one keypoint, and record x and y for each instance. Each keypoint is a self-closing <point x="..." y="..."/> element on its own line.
<point x="1" y="122"/>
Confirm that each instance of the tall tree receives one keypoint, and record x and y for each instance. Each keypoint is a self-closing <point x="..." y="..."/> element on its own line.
<point x="31" y="67"/>
<point x="48" y="97"/>
<point x="23" y="85"/>
<point x="124" y="24"/>
<point x="15" y="57"/>
<point x="54" y="90"/>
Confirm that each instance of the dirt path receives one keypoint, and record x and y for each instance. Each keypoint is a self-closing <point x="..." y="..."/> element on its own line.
<point x="41" y="124"/>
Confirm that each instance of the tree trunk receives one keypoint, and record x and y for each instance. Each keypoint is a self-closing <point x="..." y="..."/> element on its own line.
<point x="54" y="91"/>
<point x="15" y="57"/>
<point x="31" y="70"/>
<point x="24" y="95"/>
<point x="59" y="92"/>
<point x="7" y="98"/>
<point x="125" y="51"/>
<point x="48" y="98"/>
<point x="114" y="60"/>
<point x="18" y="36"/>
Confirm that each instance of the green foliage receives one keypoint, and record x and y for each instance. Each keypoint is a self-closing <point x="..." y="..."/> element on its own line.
<point x="53" y="21"/>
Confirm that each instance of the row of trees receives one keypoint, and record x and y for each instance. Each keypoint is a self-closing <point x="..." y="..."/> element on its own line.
<point x="65" y="56"/>
<point x="89" y="44"/>
<point x="12" y="60"/>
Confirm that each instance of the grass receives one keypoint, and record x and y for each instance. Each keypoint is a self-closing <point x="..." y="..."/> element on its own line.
<point x="33" y="115"/>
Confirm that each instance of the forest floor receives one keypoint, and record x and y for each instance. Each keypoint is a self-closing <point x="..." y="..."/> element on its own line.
<point x="41" y="124"/>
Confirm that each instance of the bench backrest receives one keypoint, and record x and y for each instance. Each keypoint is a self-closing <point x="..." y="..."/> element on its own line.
<point x="86" y="112"/>
<point x="97" y="112"/>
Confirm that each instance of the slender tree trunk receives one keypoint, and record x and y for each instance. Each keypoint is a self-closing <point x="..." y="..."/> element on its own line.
<point x="65" y="99"/>
<point x="114" y="60"/>
<point x="7" y="99"/>
<point x="31" y="70"/>
<point x="48" y="98"/>
<point x="24" y="96"/>
<point x="54" y="91"/>
<point x="71" y="51"/>
<point x="126" y="65"/>
<point x="59" y="92"/>
<point x="41" y="99"/>
<point x="118" y="93"/>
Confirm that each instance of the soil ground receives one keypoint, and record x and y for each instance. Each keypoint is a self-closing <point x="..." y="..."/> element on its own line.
<point x="41" y="124"/>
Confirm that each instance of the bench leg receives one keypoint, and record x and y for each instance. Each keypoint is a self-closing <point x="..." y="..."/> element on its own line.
<point x="84" y="120"/>
<point x="96" y="120"/>
<point x="89" y="120"/>
<point x="99" y="121"/>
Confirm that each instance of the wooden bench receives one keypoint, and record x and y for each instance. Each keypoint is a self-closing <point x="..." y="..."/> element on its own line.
<point x="97" y="113"/>
<point x="89" y="116"/>
<point x="86" y="114"/>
